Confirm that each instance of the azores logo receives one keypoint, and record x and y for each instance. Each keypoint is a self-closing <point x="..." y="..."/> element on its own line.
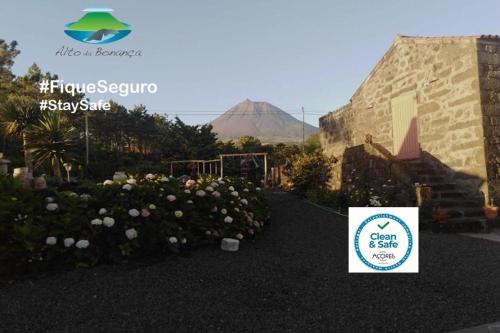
<point x="97" y="26"/>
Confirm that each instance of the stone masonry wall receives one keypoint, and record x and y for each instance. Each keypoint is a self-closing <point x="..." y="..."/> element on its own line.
<point x="443" y="73"/>
<point x="489" y="81"/>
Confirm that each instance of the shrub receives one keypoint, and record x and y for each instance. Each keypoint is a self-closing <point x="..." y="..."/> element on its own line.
<point x="110" y="222"/>
<point x="309" y="171"/>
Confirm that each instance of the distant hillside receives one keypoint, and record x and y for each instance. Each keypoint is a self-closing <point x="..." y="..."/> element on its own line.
<point x="261" y="120"/>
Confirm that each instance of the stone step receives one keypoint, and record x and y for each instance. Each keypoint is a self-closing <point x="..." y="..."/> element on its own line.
<point x="455" y="194"/>
<point x="444" y="187"/>
<point x="457" y="203"/>
<point x="455" y="212"/>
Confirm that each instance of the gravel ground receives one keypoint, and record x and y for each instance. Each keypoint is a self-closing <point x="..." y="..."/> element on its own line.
<point x="293" y="278"/>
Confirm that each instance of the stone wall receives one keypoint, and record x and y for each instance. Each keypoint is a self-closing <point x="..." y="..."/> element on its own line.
<point x="443" y="73"/>
<point x="489" y="81"/>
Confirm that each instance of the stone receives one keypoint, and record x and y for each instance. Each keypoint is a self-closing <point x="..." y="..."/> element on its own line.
<point x="230" y="244"/>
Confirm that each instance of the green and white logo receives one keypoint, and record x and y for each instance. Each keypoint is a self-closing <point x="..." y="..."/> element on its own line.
<point x="383" y="240"/>
<point x="97" y="26"/>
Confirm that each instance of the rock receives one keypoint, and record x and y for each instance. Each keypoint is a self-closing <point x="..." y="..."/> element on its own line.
<point x="229" y="244"/>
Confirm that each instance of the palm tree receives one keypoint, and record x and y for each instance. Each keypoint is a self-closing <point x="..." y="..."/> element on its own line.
<point x="17" y="116"/>
<point x="51" y="141"/>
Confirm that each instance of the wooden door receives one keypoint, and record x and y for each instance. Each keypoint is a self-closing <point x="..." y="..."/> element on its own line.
<point x="404" y="127"/>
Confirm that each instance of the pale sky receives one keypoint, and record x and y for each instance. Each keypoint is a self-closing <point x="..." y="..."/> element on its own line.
<point x="206" y="56"/>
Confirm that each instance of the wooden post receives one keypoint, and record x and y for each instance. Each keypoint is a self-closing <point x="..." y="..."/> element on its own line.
<point x="203" y="167"/>
<point x="216" y="172"/>
<point x="210" y="168"/>
<point x="272" y="177"/>
<point x="221" y="167"/>
<point x="265" y="170"/>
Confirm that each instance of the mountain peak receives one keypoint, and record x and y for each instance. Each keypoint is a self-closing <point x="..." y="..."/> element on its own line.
<point x="262" y="120"/>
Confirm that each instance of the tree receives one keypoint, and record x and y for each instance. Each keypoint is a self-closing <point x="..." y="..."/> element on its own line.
<point x="8" y="51"/>
<point x="312" y="144"/>
<point x="184" y="141"/>
<point x="51" y="141"/>
<point x="18" y="115"/>
<point x="249" y="144"/>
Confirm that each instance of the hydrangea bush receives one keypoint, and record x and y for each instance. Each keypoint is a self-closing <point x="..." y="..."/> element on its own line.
<point x="112" y="221"/>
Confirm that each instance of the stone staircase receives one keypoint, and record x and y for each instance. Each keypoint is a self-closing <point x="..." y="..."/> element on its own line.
<point x="463" y="207"/>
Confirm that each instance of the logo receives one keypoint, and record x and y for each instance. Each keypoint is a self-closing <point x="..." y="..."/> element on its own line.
<point x="97" y="26"/>
<point x="383" y="240"/>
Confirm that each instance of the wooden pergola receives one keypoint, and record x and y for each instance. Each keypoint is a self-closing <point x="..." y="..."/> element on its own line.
<point x="222" y="156"/>
<point x="203" y="163"/>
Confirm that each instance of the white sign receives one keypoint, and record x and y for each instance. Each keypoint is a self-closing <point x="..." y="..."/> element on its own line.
<point x="383" y="240"/>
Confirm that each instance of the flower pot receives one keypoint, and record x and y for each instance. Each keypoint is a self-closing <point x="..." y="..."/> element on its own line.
<point x="491" y="213"/>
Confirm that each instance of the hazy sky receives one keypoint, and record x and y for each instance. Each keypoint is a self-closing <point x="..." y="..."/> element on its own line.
<point x="208" y="55"/>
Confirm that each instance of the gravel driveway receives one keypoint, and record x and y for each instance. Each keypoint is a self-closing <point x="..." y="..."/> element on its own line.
<point x="293" y="278"/>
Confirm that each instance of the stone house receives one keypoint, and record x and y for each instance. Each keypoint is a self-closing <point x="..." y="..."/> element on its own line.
<point x="432" y="103"/>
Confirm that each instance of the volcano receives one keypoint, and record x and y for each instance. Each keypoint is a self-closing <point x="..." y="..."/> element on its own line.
<point x="262" y="120"/>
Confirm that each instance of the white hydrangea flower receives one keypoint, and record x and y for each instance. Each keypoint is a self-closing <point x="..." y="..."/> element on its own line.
<point x="235" y="194"/>
<point x="216" y="194"/>
<point x="127" y="187"/>
<point x="85" y="196"/>
<point x="236" y="209"/>
<point x="49" y="199"/>
<point x="51" y="240"/>
<point x="183" y="241"/>
<point x="173" y="240"/>
<point x="257" y="189"/>
<point x="108" y="221"/>
<point x="52" y="206"/>
<point x="96" y="222"/>
<point x="244" y="201"/>
<point x="200" y="193"/>
<point x="223" y="211"/>
<point x="245" y="190"/>
<point x="152" y="206"/>
<point x="134" y="212"/>
<point x="131" y="181"/>
<point x="231" y="188"/>
<point x="190" y="183"/>
<point x="82" y="244"/>
<point x="164" y="179"/>
<point x="150" y="176"/>
<point x="108" y="182"/>
<point x="239" y="236"/>
<point x="228" y="219"/>
<point x="171" y="197"/>
<point x="102" y="211"/>
<point x="68" y="242"/>
<point x="208" y="232"/>
<point x="189" y="202"/>
<point x="187" y="191"/>
<point x="178" y="214"/>
<point x="209" y="189"/>
<point x="131" y="233"/>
